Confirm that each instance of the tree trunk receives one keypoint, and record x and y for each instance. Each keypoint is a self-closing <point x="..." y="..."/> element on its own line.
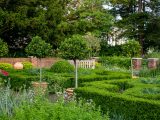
<point x="76" y="74"/>
<point x="40" y="71"/>
<point x="140" y="6"/>
<point x="141" y="36"/>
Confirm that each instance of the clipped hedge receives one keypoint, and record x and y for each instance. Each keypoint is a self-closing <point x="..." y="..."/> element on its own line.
<point x="120" y="104"/>
<point x="6" y="66"/>
<point x="150" y="92"/>
<point x="23" y="79"/>
<point x="103" y="76"/>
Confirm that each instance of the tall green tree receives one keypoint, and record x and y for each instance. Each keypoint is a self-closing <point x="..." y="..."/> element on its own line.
<point x="138" y="16"/>
<point x="53" y="20"/>
<point x="21" y="20"/>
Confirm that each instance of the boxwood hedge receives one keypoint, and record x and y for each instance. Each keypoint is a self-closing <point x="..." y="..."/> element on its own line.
<point x="121" y="98"/>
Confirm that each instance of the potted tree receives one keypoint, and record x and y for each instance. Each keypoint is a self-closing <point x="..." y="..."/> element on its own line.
<point x="74" y="48"/>
<point x="40" y="49"/>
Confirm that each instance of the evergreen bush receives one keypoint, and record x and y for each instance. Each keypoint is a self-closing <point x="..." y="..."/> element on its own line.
<point x="62" y="67"/>
<point x="27" y="65"/>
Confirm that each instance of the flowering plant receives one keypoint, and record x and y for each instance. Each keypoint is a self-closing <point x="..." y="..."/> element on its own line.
<point x="4" y="73"/>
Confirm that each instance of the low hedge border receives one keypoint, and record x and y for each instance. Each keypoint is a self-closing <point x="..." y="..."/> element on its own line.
<point x="128" y="107"/>
<point x="22" y="79"/>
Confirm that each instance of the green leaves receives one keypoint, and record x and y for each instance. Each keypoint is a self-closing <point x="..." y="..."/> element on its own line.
<point x="3" y="48"/>
<point x="38" y="48"/>
<point x="131" y="49"/>
<point x="74" y="48"/>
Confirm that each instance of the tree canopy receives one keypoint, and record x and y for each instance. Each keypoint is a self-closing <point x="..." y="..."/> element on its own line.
<point x="74" y="48"/>
<point x="140" y="20"/>
<point x="52" y="20"/>
<point x="38" y="48"/>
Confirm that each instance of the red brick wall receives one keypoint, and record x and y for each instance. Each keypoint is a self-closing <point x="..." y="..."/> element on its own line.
<point x="45" y="62"/>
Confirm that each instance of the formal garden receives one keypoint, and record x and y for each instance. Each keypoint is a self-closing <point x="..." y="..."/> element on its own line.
<point x="117" y="88"/>
<point x="79" y="60"/>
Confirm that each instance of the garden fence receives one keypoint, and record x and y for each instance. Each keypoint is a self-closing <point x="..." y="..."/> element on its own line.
<point x="85" y="63"/>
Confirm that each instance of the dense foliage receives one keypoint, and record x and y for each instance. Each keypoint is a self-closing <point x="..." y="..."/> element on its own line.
<point x="62" y="67"/>
<point x="42" y="109"/>
<point x="6" y="66"/>
<point x="74" y="48"/>
<point x="27" y="65"/>
<point x="138" y="19"/>
<point x="3" y="48"/>
<point x="38" y="48"/>
<point x="122" y="62"/>
<point x="124" y="99"/>
<point x="52" y="20"/>
<point x="93" y="43"/>
<point x="131" y="49"/>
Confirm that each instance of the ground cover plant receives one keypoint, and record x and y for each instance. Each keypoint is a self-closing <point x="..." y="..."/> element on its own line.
<point x="127" y="99"/>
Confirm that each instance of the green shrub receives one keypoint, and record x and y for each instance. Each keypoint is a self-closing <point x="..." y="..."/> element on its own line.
<point x="151" y="90"/>
<point x="23" y="79"/>
<point x="154" y="54"/>
<point x="131" y="48"/>
<point x="10" y="100"/>
<point x="148" y="92"/>
<point x="108" y="50"/>
<point x="27" y="65"/>
<point x="6" y="66"/>
<point x="128" y="104"/>
<point x="20" y="81"/>
<point x="155" y="80"/>
<point x="149" y="72"/>
<point x="62" y="67"/>
<point x="58" y="83"/>
<point x="122" y="62"/>
<point x="103" y="76"/>
<point x="43" y="109"/>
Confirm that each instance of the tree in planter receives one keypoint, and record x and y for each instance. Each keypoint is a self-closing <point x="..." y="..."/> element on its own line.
<point x="40" y="49"/>
<point x="74" y="48"/>
<point x="3" y="48"/>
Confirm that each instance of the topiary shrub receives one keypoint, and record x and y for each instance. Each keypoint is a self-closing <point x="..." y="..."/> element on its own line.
<point x="27" y="65"/>
<point x="75" y="48"/>
<point x="62" y="67"/>
<point x="6" y="66"/>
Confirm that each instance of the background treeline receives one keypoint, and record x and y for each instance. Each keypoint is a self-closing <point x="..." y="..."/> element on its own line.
<point x="55" y="20"/>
